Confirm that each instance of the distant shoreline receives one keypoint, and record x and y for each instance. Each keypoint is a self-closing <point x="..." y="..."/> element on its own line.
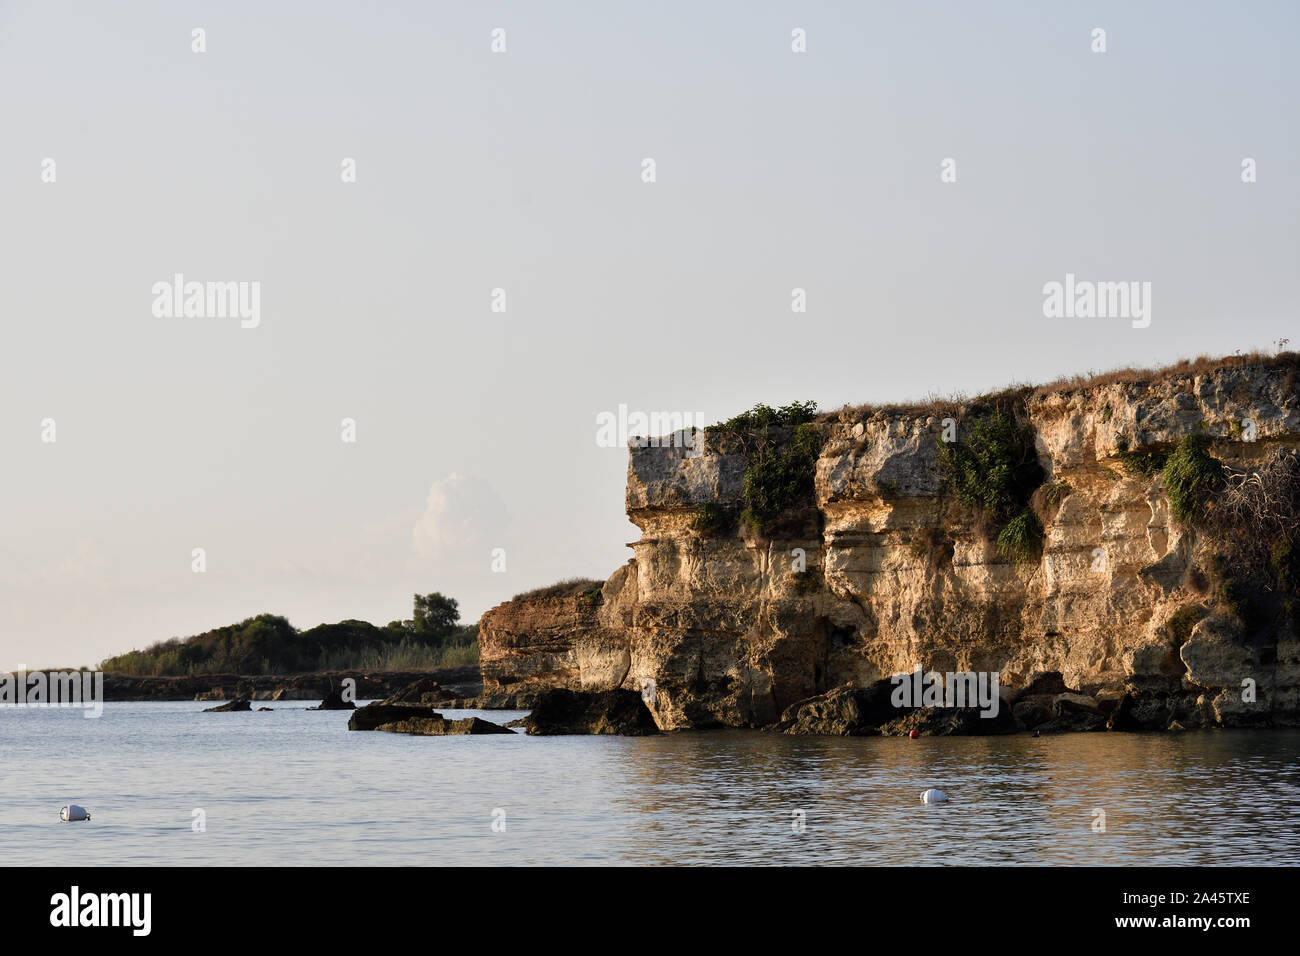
<point x="463" y="681"/>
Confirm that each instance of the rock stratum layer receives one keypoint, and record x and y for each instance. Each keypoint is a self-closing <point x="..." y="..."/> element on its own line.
<point x="723" y="629"/>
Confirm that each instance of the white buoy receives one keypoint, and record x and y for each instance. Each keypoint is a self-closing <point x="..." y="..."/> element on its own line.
<point x="934" y="796"/>
<point x="71" y="813"/>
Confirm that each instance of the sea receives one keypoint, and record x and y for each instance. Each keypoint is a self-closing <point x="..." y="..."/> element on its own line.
<point x="169" y="785"/>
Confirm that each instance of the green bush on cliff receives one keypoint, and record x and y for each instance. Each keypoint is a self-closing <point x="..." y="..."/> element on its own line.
<point x="1180" y="623"/>
<point x="1140" y="464"/>
<point x="1191" y="476"/>
<point x="781" y="447"/>
<point x="1022" y="538"/>
<point x="780" y="478"/>
<point x="713" y="519"/>
<point x="1055" y="493"/>
<point x="996" y="470"/>
<point x="808" y="581"/>
<point x="762" y="418"/>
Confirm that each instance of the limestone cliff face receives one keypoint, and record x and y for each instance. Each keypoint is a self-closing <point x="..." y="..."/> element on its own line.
<point x="730" y="631"/>
<point x="574" y="639"/>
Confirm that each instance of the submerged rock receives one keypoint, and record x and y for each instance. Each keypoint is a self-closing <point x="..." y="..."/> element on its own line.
<point x="335" y="701"/>
<point x="423" y="691"/>
<point x="241" y="704"/>
<point x="439" y="726"/>
<point x="371" y="716"/>
<point x="562" y="711"/>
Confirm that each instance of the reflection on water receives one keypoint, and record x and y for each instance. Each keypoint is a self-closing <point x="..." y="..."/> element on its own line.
<point x="295" y="787"/>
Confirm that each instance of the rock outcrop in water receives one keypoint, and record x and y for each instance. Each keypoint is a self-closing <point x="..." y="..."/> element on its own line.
<point x="562" y="711"/>
<point x="439" y="726"/>
<point x="400" y="718"/>
<point x="334" y="701"/>
<point x="1136" y="618"/>
<point x="234" y="705"/>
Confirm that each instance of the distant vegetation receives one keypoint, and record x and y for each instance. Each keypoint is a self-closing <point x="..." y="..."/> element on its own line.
<point x="269" y="644"/>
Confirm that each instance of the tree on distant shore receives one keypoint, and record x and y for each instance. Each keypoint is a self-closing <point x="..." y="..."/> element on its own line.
<point x="435" y="618"/>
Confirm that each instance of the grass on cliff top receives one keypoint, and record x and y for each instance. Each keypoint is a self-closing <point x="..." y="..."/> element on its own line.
<point x="947" y="405"/>
<point x="761" y="418"/>
<point x="569" y="587"/>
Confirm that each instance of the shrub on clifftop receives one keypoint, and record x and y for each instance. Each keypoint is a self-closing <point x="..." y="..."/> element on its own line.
<point x="781" y="446"/>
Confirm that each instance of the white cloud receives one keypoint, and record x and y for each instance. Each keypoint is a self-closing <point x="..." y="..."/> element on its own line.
<point x="463" y="519"/>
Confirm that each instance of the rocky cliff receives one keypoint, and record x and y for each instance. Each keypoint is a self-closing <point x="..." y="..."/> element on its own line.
<point x="1170" y="611"/>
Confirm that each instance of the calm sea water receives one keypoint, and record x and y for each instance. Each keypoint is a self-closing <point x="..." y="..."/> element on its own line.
<point x="295" y="787"/>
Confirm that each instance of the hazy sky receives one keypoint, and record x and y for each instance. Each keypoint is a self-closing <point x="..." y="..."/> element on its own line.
<point x="522" y="171"/>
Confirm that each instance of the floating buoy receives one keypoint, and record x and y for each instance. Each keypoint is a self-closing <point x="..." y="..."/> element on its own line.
<point x="934" y="796"/>
<point x="913" y="734"/>
<point x="72" y="813"/>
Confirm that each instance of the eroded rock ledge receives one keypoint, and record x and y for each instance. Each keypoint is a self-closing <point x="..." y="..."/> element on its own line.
<point x="1120" y="605"/>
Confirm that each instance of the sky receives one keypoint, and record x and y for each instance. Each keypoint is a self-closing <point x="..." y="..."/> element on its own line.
<point x="523" y="169"/>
